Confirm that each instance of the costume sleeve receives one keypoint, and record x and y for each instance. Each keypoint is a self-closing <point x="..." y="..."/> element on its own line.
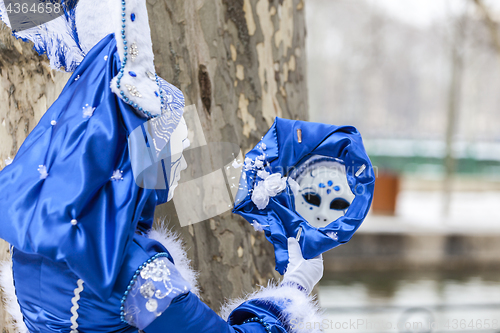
<point x="276" y="309"/>
<point x="283" y="309"/>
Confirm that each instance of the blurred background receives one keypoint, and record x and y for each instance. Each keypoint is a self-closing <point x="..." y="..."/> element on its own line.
<point x="420" y="79"/>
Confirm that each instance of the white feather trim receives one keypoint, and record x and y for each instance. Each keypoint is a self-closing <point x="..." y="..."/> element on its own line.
<point x="301" y="313"/>
<point x="56" y="38"/>
<point x="9" y="298"/>
<point x="171" y="241"/>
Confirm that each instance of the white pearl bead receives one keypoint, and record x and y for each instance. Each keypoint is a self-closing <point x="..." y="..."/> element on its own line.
<point x="53" y="122"/>
<point x="105" y="57"/>
<point x="74" y="222"/>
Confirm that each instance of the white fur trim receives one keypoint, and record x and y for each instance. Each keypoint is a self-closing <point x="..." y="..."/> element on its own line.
<point x="171" y="241"/>
<point x="9" y="298"/>
<point x="95" y="20"/>
<point x="301" y="310"/>
<point x="137" y="32"/>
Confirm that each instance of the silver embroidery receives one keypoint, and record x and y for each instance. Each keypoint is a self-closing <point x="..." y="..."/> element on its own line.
<point x="152" y="291"/>
<point x="148" y="289"/>
<point x="133" y="90"/>
<point x="75" y="307"/>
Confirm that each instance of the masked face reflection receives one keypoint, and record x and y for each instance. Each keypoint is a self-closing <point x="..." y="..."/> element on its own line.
<point x="324" y="194"/>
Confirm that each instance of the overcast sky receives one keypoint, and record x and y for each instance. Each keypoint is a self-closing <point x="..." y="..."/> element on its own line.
<point x="424" y="12"/>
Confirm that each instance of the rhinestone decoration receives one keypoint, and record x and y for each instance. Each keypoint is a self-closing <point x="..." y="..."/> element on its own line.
<point x="333" y="235"/>
<point x="148" y="289"/>
<point x="152" y="305"/>
<point x="132" y="73"/>
<point x="151" y="76"/>
<point x="117" y="175"/>
<point x="43" y="171"/>
<point x="134" y="51"/>
<point x="88" y="111"/>
<point x="133" y="90"/>
<point x="156" y="271"/>
<point x="132" y="17"/>
<point x="360" y="170"/>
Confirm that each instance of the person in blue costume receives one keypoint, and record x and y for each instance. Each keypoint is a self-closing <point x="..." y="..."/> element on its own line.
<point x="85" y="256"/>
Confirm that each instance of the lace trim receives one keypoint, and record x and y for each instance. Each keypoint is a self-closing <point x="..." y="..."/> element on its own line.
<point x="152" y="288"/>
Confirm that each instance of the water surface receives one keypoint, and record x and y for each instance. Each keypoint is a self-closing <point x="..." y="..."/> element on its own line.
<point x="411" y="302"/>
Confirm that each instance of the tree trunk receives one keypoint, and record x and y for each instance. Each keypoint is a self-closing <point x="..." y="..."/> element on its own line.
<point x="240" y="62"/>
<point x="456" y="78"/>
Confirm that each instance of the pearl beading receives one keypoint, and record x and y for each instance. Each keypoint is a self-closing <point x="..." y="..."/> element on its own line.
<point x="267" y="327"/>
<point x="134" y="279"/>
<point x="122" y="70"/>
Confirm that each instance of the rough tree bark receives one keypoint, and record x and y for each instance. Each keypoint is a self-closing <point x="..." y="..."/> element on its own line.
<point x="240" y="62"/>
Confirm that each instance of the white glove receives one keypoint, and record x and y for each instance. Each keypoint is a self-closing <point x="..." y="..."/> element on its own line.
<point x="305" y="273"/>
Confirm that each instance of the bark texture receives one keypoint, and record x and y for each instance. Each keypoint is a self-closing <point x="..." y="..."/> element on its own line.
<point x="240" y="62"/>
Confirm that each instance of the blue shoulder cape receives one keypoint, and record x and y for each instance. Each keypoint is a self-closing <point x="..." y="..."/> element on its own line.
<point x="70" y="194"/>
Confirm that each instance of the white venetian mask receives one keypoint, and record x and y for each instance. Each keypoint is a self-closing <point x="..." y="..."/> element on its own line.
<point x="324" y="194"/>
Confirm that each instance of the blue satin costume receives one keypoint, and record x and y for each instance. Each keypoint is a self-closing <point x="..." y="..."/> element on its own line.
<point x="79" y="224"/>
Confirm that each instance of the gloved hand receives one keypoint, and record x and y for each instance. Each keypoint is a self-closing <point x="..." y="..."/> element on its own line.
<point x="305" y="273"/>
